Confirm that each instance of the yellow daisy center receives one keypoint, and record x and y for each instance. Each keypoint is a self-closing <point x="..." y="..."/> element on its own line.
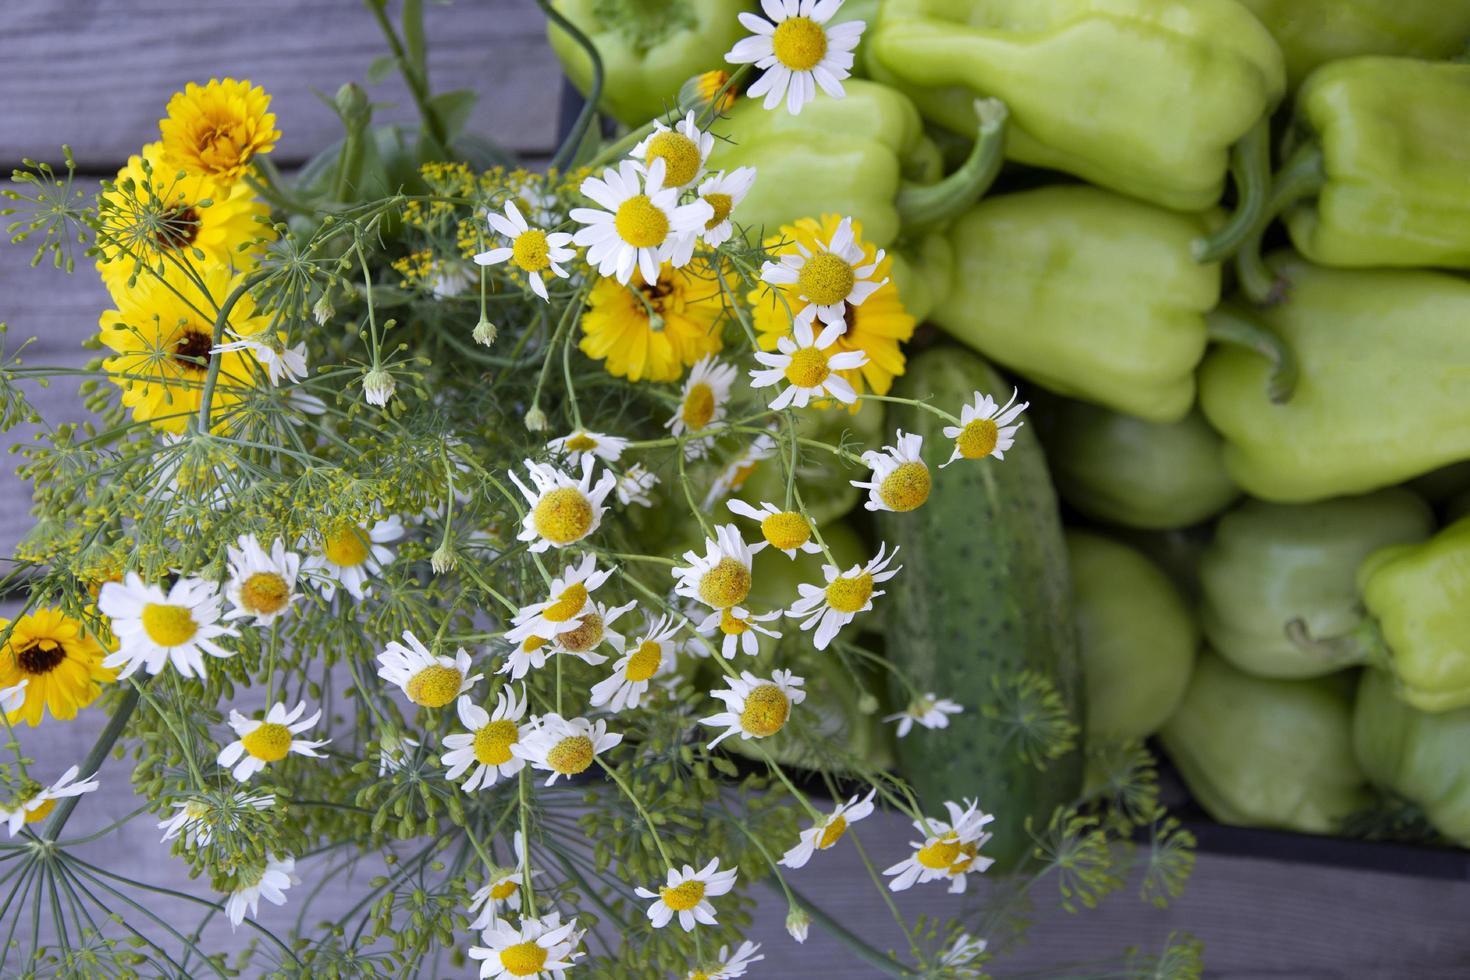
<point x="588" y="632"/>
<point x="41" y="812"/>
<point x="493" y="742"/>
<point x="723" y="205"/>
<point x="562" y="515"/>
<point x="808" y="368"/>
<point x="967" y="855"/>
<point x="581" y="443"/>
<point x="434" y="687"/>
<point x="523" y="959"/>
<point x="640" y="223"/>
<point x="264" y="593"/>
<point x="850" y="595"/>
<point x="645" y="661"/>
<point x="725" y="585"/>
<point x="977" y="440"/>
<point x="940" y="854"/>
<point x="766" y="710"/>
<point x="699" y="406"/>
<point x="346" y="548"/>
<point x="800" y="43"/>
<point x="502" y="890"/>
<point x="268" y="743"/>
<point x="786" y="530"/>
<point x="168" y="626"/>
<point x="906" y="487"/>
<point x="571" y="755"/>
<point x="832" y="833"/>
<point x="826" y="279"/>
<point x="567" y="605"/>
<point x="682" y="898"/>
<point x="530" y="251"/>
<point x="39" y="656"/>
<point x="732" y="625"/>
<point x="680" y="155"/>
<point x="533" y="643"/>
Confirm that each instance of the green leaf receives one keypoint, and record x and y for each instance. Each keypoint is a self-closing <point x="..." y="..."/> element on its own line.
<point x="382" y="66"/>
<point x="453" y="109"/>
<point x="413" y="39"/>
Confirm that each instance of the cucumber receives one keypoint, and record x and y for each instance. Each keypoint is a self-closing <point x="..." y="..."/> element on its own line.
<point x="984" y="593"/>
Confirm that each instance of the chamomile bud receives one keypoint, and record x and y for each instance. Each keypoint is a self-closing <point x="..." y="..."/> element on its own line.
<point x="378" y="387"/>
<point x="536" y="419"/>
<point x="321" y="310"/>
<point x="444" y="558"/>
<point x="798" y="923"/>
<point x="485" y="332"/>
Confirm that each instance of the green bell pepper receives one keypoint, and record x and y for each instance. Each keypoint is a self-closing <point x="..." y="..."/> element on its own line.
<point x="1141" y="96"/>
<point x="1420" y="596"/>
<point x="1087" y="293"/>
<point x="1417" y="755"/>
<point x="1314" y="32"/>
<point x="1135" y="634"/>
<point x="1274" y="565"/>
<point x="1381" y="356"/>
<point x="1267" y="753"/>
<point x="648" y="48"/>
<point x="1129" y="471"/>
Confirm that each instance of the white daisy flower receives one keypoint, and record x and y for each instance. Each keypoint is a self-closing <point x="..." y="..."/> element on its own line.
<point x="269" y="883"/>
<point x="986" y="428"/>
<point x="590" y="631"/>
<point x="528" y="655"/>
<point x="261" y="584"/>
<point x="738" y="470"/>
<point x="724" y="192"/>
<point x="756" y="708"/>
<point x="796" y="51"/>
<point x="721" y="578"/>
<point x="964" y="956"/>
<point x="727" y="967"/>
<point x="280" y="363"/>
<point x="583" y="443"/>
<point x="684" y="149"/>
<point x="785" y="530"/>
<point x="262" y="742"/>
<point x="564" y="746"/>
<point x="196" y="819"/>
<point x="531" y="250"/>
<point x="11" y="698"/>
<point x="393" y="752"/>
<point x="154" y="628"/>
<point x="428" y="680"/>
<point x="351" y="554"/>
<point x="739" y="628"/>
<point x="828" y="831"/>
<point x="634" y="485"/>
<point x="686" y="895"/>
<point x="450" y="277"/>
<point x="536" y="948"/>
<point x="567" y="598"/>
<point x="643" y="223"/>
<point x="706" y="392"/>
<point x="900" y="481"/>
<point x="834" y="605"/>
<point x="485" y="752"/>
<point x="502" y="890"/>
<point x="830" y="279"/>
<point x="929" y="711"/>
<point x="562" y="510"/>
<point x="38" y="806"/>
<point x="949" y="851"/>
<point x="646" y="658"/>
<point x="802" y="361"/>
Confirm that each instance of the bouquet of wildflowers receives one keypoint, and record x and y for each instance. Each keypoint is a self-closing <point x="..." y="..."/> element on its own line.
<point x="477" y="526"/>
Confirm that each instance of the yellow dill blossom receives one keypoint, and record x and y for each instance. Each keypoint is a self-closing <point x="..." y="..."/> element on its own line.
<point x="162" y="333"/>
<point x="215" y="130"/>
<point x="653" y="332"/>
<point x="877" y="326"/>
<point x="415" y="267"/>
<point x="154" y="212"/>
<point x="59" y="660"/>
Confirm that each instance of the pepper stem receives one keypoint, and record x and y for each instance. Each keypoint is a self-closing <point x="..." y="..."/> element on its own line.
<point x="1363" y="644"/>
<point x="1301" y="177"/>
<point x="921" y="206"/>
<point x="1229" y="324"/>
<point x="1250" y="169"/>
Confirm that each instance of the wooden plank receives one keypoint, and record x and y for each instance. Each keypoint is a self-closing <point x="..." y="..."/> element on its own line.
<point x="98" y="74"/>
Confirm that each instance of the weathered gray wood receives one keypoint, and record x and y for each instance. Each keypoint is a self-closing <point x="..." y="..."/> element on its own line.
<point x="98" y="74"/>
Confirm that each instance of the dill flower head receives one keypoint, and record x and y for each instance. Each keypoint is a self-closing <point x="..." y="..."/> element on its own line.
<point x="646" y="332"/>
<point x="58" y="661"/>
<point x="215" y="130"/>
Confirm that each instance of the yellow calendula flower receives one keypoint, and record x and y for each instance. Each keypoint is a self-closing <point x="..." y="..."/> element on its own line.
<point x="59" y="660"/>
<point x="215" y="130"/>
<point x="653" y="332"/>
<point x="877" y="327"/>
<point x="162" y="334"/>
<point x="155" y="211"/>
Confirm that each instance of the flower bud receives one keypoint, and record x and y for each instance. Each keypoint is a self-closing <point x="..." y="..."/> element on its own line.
<point x="443" y="559"/>
<point x="321" y="310"/>
<point x="536" y="419"/>
<point x="485" y="332"/>
<point x="798" y="923"/>
<point x="701" y="90"/>
<point x="378" y="387"/>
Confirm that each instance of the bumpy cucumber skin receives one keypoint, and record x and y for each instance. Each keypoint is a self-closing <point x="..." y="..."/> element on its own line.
<point x="984" y="592"/>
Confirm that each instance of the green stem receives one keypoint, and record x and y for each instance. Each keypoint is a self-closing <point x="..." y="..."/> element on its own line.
<point x="569" y="146"/>
<point x="923" y="206"/>
<point x="1250" y="168"/>
<point x="94" y="759"/>
<point x="206" y="397"/>
<point x="1363" y="644"/>
<point x="865" y="952"/>
<point x="1230" y="324"/>
<point x="1299" y="178"/>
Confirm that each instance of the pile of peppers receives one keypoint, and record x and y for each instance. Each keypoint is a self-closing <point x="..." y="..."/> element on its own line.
<point x="1223" y="246"/>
